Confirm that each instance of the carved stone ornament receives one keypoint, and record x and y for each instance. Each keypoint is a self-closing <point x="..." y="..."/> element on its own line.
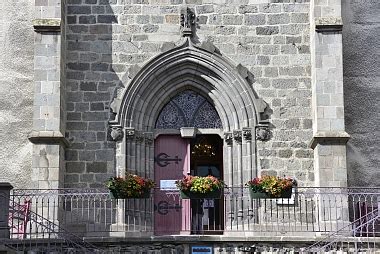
<point x="148" y="138"/>
<point x="228" y="138"/>
<point x="139" y="136"/>
<point x="247" y="134"/>
<point x="237" y="135"/>
<point x="263" y="133"/>
<point x="116" y="133"/>
<point x="187" y="22"/>
<point x="130" y="133"/>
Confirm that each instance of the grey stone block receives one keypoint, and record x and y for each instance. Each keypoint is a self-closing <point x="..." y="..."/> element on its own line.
<point x="286" y="153"/>
<point x="80" y="46"/>
<point x="205" y="9"/>
<point x="254" y="20"/>
<point x="71" y="178"/>
<point x="107" y="19"/>
<point x="99" y="67"/>
<point x="86" y="155"/>
<point x="82" y="107"/>
<point x="87" y="20"/>
<point x="93" y="146"/>
<point x="96" y="167"/>
<point x="71" y="19"/>
<point x="72" y="116"/>
<point x="232" y="19"/>
<point x="304" y="153"/>
<point x="275" y="19"/>
<point x="71" y="155"/>
<point x="285" y="83"/>
<point x="248" y="9"/>
<point x="97" y="106"/>
<point x="94" y="116"/>
<point x="97" y="9"/>
<point x="75" y="167"/>
<point x="97" y="126"/>
<point x="270" y="8"/>
<point x="150" y="28"/>
<point x="100" y="29"/>
<point x="99" y="96"/>
<point x="76" y="126"/>
<point x="78" y="66"/>
<point x="78" y="9"/>
<point x="267" y="30"/>
<point x="105" y="155"/>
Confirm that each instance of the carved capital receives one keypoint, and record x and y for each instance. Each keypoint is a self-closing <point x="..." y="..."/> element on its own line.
<point x="139" y="136"/>
<point x="228" y="138"/>
<point x="263" y="133"/>
<point x="116" y="133"/>
<point x="237" y="135"/>
<point x="130" y="133"/>
<point x="247" y="134"/>
<point x="148" y="138"/>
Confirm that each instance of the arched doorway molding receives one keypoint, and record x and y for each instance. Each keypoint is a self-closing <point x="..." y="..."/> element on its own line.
<point x="184" y="67"/>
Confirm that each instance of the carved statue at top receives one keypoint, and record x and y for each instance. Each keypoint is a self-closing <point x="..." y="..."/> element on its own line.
<point x="187" y="22"/>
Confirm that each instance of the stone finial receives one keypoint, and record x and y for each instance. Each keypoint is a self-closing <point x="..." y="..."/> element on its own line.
<point x="228" y="138"/>
<point x="247" y="134"/>
<point x="187" y="22"/>
<point x="116" y="133"/>
<point x="263" y="133"/>
<point x="237" y="136"/>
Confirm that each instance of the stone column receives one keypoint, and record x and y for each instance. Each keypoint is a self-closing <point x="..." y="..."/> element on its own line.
<point x="5" y="189"/>
<point x="329" y="136"/>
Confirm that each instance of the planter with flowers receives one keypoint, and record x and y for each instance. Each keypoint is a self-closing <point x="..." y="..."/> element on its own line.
<point x="130" y="186"/>
<point x="271" y="187"/>
<point x="199" y="187"/>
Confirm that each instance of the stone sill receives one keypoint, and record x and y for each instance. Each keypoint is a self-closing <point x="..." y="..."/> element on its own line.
<point x="48" y="137"/>
<point x="47" y="25"/>
<point x="338" y="137"/>
<point x="328" y="24"/>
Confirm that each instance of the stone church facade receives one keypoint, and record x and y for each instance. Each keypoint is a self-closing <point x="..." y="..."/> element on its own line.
<point x="108" y="78"/>
<point x="105" y="70"/>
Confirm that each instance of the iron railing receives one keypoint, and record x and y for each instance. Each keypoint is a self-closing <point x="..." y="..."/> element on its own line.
<point x="93" y="213"/>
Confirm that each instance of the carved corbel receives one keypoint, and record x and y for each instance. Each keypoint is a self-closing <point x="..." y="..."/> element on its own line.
<point x="228" y="138"/>
<point x="237" y="136"/>
<point x="263" y="133"/>
<point x="116" y="133"/>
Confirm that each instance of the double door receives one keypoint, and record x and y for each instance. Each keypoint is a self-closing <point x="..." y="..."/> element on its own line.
<point x="176" y="157"/>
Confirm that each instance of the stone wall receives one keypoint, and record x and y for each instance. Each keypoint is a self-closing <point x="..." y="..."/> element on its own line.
<point x="362" y="90"/>
<point x="107" y="38"/>
<point x="16" y="91"/>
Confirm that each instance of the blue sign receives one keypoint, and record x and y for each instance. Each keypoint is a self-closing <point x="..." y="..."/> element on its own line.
<point x="201" y="250"/>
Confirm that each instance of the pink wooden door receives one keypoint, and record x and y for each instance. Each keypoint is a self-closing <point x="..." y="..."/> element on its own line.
<point x="172" y="162"/>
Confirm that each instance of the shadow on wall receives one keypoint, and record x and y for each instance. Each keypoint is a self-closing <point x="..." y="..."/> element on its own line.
<point x="91" y="83"/>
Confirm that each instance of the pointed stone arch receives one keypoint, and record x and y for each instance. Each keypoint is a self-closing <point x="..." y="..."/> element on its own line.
<point x="181" y="68"/>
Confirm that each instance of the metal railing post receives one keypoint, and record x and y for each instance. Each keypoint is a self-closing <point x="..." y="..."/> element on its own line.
<point x="5" y="189"/>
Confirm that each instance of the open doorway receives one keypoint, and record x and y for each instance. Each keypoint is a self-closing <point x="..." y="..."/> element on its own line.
<point x="207" y="159"/>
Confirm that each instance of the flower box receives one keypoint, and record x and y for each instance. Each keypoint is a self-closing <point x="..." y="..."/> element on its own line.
<point x="271" y="187"/>
<point x="257" y="195"/>
<point x="216" y="194"/>
<point x="115" y="195"/>
<point x="198" y="187"/>
<point x="130" y="186"/>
